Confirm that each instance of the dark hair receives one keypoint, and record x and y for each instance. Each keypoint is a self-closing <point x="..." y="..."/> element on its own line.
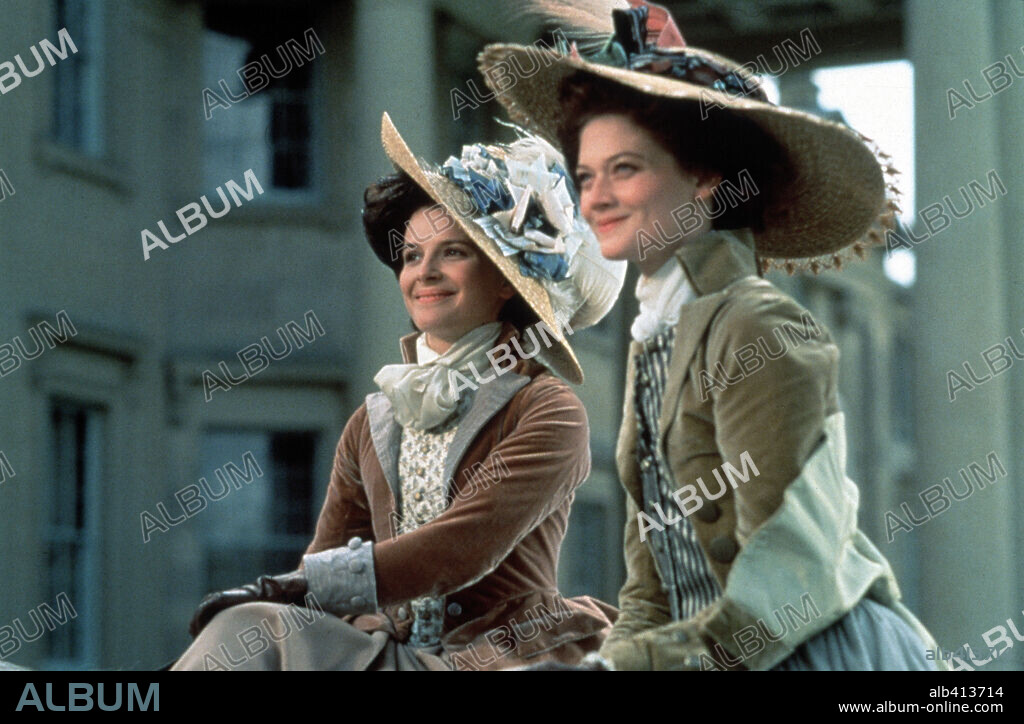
<point x="388" y="205"/>
<point x="703" y="140"/>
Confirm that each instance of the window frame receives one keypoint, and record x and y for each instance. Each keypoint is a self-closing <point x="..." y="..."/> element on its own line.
<point x="276" y="199"/>
<point x="106" y="165"/>
<point x="263" y="541"/>
<point x="88" y="562"/>
<point x="91" y="54"/>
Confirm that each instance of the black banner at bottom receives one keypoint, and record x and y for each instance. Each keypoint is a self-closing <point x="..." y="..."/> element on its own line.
<point x="305" y="692"/>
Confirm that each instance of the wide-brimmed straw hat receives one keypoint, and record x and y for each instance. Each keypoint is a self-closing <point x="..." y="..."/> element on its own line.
<point x="517" y="204"/>
<point x="839" y="198"/>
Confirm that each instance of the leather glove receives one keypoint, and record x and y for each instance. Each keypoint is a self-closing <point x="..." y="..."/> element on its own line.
<point x="591" y="662"/>
<point x="682" y="646"/>
<point x="286" y="588"/>
<point x="676" y="646"/>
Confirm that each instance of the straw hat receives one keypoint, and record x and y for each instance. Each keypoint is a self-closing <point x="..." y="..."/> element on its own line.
<point x="840" y="198"/>
<point x="516" y="203"/>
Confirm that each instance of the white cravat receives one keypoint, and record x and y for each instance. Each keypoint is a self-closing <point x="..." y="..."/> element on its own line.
<point x="661" y="296"/>
<point x="422" y="393"/>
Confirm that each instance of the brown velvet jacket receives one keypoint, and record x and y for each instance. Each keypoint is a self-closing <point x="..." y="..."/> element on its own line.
<point x="513" y="467"/>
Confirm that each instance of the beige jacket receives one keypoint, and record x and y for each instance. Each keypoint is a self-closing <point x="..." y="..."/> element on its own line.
<point x="786" y="538"/>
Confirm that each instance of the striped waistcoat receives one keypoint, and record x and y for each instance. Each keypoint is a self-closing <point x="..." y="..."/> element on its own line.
<point x="685" y="573"/>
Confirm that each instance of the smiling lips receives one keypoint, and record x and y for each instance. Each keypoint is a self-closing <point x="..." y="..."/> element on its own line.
<point x="608" y="224"/>
<point x="432" y="297"/>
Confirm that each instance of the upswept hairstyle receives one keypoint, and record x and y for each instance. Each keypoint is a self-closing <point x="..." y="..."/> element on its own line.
<point x="721" y="143"/>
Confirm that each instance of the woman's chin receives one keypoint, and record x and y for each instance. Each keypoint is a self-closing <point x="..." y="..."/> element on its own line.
<point x="429" y="325"/>
<point x="615" y="249"/>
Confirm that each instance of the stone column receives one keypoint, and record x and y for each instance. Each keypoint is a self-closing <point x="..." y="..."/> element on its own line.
<point x="1009" y="104"/>
<point x="392" y="69"/>
<point x="961" y="309"/>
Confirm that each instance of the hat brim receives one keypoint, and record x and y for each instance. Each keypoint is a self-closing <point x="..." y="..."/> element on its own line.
<point x="836" y="194"/>
<point x="460" y="207"/>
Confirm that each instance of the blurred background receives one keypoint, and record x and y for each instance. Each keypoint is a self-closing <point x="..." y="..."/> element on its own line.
<point x="151" y="113"/>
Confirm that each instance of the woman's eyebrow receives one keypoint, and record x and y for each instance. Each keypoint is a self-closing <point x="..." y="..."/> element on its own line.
<point x="620" y="154"/>
<point x="460" y="240"/>
<point x="611" y="159"/>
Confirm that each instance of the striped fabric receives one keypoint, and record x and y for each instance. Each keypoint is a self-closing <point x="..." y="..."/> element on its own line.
<point x="686" y="575"/>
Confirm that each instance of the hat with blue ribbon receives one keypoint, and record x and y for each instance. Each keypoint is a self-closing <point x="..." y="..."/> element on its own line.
<point x="516" y="203"/>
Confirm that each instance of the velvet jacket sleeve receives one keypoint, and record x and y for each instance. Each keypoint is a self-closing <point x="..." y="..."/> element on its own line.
<point x="346" y="512"/>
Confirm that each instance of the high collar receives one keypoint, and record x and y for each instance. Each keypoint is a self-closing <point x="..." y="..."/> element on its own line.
<point x="487" y="401"/>
<point x="717" y="259"/>
<point x="408" y="342"/>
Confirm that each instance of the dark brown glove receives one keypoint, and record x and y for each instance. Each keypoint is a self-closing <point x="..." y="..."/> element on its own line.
<point x="286" y="588"/>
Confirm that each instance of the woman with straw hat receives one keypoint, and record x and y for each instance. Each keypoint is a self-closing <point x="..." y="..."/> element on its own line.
<point x="741" y="541"/>
<point x="437" y="546"/>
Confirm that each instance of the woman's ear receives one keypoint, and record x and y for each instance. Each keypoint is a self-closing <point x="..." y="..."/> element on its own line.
<point x="706" y="185"/>
<point x="507" y="291"/>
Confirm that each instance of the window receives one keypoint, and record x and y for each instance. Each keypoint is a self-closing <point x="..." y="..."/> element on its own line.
<point x="469" y="118"/>
<point x="77" y="98"/>
<point x="72" y="541"/>
<point x="260" y="516"/>
<point x="258" y="103"/>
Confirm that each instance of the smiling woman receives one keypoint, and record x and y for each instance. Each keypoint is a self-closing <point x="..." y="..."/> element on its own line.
<point x="402" y="221"/>
<point x="653" y="125"/>
<point x="449" y="287"/>
<point x="490" y="243"/>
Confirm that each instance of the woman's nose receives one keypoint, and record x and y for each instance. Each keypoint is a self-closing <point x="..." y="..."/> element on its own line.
<point x="430" y="268"/>
<point x="599" y="195"/>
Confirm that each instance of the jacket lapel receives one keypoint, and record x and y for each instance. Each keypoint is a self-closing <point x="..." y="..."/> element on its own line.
<point x="386" y="433"/>
<point x="711" y="263"/>
<point x="695" y="319"/>
<point x="487" y="400"/>
<point x="387" y="439"/>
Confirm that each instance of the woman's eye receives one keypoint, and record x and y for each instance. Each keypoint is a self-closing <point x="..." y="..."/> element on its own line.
<point x="583" y="180"/>
<point x="410" y="255"/>
<point x="455" y="251"/>
<point x="624" y="169"/>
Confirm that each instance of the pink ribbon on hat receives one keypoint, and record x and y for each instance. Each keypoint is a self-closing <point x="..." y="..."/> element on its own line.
<point x="662" y="31"/>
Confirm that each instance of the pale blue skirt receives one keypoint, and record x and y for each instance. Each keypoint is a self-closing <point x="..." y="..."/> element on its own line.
<point x="871" y="637"/>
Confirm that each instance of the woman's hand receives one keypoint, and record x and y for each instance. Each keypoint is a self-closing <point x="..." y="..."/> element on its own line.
<point x="286" y="588"/>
